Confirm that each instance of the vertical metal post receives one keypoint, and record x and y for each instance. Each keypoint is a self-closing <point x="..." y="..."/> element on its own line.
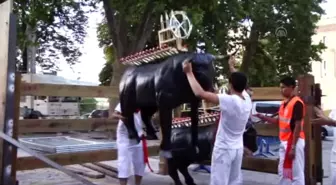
<point x="7" y="80"/>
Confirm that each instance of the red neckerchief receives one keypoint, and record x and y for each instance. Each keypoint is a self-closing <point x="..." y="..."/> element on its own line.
<point x="144" y="148"/>
<point x="288" y="163"/>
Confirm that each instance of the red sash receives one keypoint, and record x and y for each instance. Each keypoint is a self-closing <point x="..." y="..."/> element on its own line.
<point x="145" y="150"/>
<point x="288" y="163"/>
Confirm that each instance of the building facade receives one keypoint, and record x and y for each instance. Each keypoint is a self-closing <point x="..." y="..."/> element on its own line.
<point x="325" y="71"/>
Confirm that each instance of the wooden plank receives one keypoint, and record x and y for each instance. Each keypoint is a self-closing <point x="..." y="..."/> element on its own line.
<point x="306" y="83"/>
<point x="101" y="170"/>
<point x="7" y="78"/>
<point x="30" y="162"/>
<point x="260" y="164"/>
<point x="257" y="164"/>
<point x="266" y="93"/>
<point x="39" y="89"/>
<point x="64" y="125"/>
<point x="267" y="129"/>
<point x="16" y="122"/>
<point x="81" y="170"/>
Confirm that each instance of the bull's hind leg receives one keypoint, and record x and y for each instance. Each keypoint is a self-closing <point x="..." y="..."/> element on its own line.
<point x="194" y="124"/>
<point x="128" y="102"/>
<point x="183" y="168"/>
<point x="146" y="115"/>
<point x="172" y="171"/>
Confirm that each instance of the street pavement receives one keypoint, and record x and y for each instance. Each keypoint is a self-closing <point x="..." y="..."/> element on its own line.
<point x="53" y="177"/>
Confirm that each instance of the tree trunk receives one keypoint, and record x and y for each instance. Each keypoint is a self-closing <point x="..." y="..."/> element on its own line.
<point x="250" y="49"/>
<point x="118" y="28"/>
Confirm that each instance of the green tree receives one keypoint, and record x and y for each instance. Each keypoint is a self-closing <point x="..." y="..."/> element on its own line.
<point x="58" y="29"/>
<point x="87" y="105"/>
<point x="264" y="56"/>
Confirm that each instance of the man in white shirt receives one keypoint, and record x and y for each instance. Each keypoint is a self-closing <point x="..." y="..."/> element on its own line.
<point x="128" y="153"/>
<point x="235" y="110"/>
<point x="331" y="121"/>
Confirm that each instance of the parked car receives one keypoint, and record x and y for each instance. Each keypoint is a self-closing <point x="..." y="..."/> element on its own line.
<point x="272" y="107"/>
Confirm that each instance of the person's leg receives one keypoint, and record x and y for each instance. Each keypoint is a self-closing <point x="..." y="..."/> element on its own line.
<point x="333" y="172"/>
<point x="123" y="164"/>
<point x="298" y="164"/>
<point x="220" y="167"/>
<point x="235" y="173"/>
<point x="138" y="163"/>
<point x="282" y="152"/>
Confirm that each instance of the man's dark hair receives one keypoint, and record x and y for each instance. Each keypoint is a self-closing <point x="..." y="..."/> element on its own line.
<point x="288" y="81"/>
<point x="238" y="81"/>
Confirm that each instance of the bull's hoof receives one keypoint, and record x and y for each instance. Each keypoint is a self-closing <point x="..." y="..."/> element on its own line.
<point x="197" y="150"/>
<point x="166" y="154"/>
<point x="152" y="137"/>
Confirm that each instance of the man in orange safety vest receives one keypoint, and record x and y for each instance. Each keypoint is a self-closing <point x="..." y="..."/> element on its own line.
<point x="291" y="134"/>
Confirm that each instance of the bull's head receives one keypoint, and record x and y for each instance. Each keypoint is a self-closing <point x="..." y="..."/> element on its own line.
<point x="204" y="70"/>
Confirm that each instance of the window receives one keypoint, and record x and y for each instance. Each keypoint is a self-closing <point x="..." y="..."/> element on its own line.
<point x="22" y="99"/>
<point x="267" y="108"/>
<point x="324" y="68"/>
<point x="334" y="63"/>
<point x="324" y="39"/>
<point x="53" y="99"/>
<point x="70" y="99"/>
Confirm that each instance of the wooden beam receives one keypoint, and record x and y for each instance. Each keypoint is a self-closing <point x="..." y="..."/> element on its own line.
<point x="266" y="93"/>
<point x="64" y="125"/>
<point x="260" y="164"/>
<point x="267" y="129"/>
<point x="39" y="89"/>
<point x="30" y="163"/>
<point x="257" y="164"/>
<point x="305" y="86"/>
<point x="7" y="84"/>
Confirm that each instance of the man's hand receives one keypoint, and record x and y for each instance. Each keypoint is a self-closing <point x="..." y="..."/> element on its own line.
<point x="232" y="61"/>
<point x="247" y="152"/>
<point x="320" y="117"/>
<point x="187" y="68"/>
<point x="258" y="115"/>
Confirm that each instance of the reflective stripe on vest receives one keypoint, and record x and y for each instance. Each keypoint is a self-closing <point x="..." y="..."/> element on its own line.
<point x="285" y="116"/>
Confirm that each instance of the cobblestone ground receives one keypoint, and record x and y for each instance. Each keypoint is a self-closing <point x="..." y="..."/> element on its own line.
<point x="53" y="177"/>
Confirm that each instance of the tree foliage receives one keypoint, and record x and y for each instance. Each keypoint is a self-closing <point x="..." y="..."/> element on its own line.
<point x="59" y="28"/>
<point x="87" y="105"/>
<point x="226" y="26"/>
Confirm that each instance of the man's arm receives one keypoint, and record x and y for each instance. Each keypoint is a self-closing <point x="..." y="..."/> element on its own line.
<point x="297" y="117"/>
<point x="117" y="115"/>
<point x="321" y="119"/>
<point x="268" y="119"/>
<point x="232" y="62"/>
<point x="199" y="91"/>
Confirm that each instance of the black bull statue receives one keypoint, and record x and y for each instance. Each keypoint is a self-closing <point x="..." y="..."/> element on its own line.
<point x="182" y="156"/>
<point x="162" y="86"/>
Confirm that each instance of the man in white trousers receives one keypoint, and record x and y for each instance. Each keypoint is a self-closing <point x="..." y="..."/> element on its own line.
<point x="331" y="121"/>
<point x="235" y="109"/>
<point x="291" y="134"/>
<point x="129" y="154"/>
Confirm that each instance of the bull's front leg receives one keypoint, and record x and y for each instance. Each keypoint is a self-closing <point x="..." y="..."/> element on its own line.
<point x="194" y="124"/>
<point x="165" y="124"/>
<point x="165" y="113"/>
